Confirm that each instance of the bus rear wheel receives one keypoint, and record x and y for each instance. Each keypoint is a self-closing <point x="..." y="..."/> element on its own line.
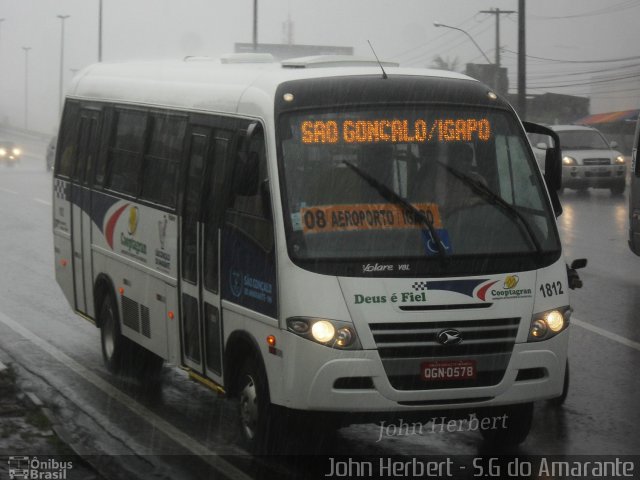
<point x="116" y="349"/>
<point x="512" y="429"/>
<point x="121" y="355"/>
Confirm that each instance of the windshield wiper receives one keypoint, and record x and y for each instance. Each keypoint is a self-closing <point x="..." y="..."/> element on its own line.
<point x="489" y="195"/>
<point x="391" y="196"/>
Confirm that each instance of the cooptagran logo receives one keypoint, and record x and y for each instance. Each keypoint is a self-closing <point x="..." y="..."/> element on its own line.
<point x="133" y="220"/>
<point x="508" y="290"/>
<point x="510" y="282"/>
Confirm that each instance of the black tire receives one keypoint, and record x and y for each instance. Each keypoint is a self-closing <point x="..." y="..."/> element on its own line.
<point x="618" y="189"/>
<point x="121" y="355"/>
<point x="254" y="407"/>
<point x="513" y="430"/>
<point x="116" y="349"/>
<point x="565" y="388"/>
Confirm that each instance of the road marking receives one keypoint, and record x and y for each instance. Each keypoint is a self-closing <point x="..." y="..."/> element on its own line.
<point x="611" y="336"/>
<point x="173" y="433"/>
<point x="8" y="191"/>
<point x="44" y="202"/>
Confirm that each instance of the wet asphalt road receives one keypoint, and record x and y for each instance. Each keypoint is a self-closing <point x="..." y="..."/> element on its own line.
<point x="187" y="431"/>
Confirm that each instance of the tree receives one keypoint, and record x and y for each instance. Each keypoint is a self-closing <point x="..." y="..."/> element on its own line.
<point x="448" y="63"/>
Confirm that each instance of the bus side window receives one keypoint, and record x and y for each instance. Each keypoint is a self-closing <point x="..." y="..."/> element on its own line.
<point x="125" y="151"/>
<point x="162" y="159"/>
<point x="68" y="149"/>
<point x="250" y="210"/>
<point x="100" y="173"/>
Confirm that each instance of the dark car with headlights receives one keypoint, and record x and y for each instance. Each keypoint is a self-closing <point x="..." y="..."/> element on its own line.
<point x="10" y="153"/>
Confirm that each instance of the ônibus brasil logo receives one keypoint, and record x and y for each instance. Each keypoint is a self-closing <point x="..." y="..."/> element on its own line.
<point x="21" y="467"/>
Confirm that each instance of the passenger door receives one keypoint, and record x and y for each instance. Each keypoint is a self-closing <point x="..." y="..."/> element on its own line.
<point x="88" y="144"/>
<point x="201" y="320"/>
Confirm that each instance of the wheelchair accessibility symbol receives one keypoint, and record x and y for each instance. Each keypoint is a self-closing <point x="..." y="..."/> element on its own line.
<point x="430" y="244"/>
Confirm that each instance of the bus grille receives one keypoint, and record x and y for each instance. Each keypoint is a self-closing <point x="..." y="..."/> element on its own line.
<point x="130" y="315"/>
<point x="418" y="341"/>
<point x="136" y="316"/>
<point x="146" y="321"/>
<point x="596" y="161"/>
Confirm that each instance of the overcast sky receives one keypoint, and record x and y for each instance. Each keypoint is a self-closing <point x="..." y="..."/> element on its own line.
<point x="401" y="30"/>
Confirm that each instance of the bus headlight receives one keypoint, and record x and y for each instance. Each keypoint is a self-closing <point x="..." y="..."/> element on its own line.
<point x="545" y="325"/>
<point x="332" y="333"/>
<point x="569" y="161"/>
<point x="619" y="160"/>
<point x="16" y="151"/>
<point x="322" y="331"/>
<point x="3" y="152"/>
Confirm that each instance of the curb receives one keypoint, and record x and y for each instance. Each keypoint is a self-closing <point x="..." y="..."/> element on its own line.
<point x="63" y="434"/>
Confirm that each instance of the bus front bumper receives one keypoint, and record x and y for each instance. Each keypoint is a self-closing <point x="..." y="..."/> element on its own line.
<point x="356" y="381"/>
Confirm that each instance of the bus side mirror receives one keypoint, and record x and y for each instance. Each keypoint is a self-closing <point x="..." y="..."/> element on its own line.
<point x="552" y="163"/>
<point x="553" y="168"/>
<point x="578" y="263"/>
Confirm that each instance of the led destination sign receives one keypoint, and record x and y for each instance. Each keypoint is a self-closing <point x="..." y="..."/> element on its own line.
<point x="342" y="218"/>
<point x="395" y="131"/>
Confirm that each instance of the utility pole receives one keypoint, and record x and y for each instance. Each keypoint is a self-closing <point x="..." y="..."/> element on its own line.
<point x="26" y="87"/>
<point x="497" y="12"/>
<point x="1" y="20"/>
<point x="522" y="61"/>
<point x="255" y="25"/>
<point x="100" y="31"/>
<point x="62" y="19"/>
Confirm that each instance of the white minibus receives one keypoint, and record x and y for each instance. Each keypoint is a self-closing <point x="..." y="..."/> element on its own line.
<point x="317" y="237"/>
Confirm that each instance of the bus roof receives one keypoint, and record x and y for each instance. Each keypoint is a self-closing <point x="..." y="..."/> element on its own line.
<point x="208" y="85"/>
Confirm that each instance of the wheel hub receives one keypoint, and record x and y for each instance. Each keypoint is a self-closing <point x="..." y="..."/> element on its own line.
<point x="249" y="408"/>
<point x="108" y="338"/>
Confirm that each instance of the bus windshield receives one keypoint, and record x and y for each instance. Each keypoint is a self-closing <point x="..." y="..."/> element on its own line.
<point x="392" y="183"/>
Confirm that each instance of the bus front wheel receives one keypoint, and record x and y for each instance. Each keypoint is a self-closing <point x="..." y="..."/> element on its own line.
<point x="253" y="405"/>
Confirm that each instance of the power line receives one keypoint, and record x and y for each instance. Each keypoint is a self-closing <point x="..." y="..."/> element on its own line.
<point x="593" y="82"/>
<point x="557" y="73"/>
<point x="577" y="61"/>
<point x="434" y="49"/>
<point x="440" y="51"/>
<point x="429" y="42"/>
<point x="602" y="11"/>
